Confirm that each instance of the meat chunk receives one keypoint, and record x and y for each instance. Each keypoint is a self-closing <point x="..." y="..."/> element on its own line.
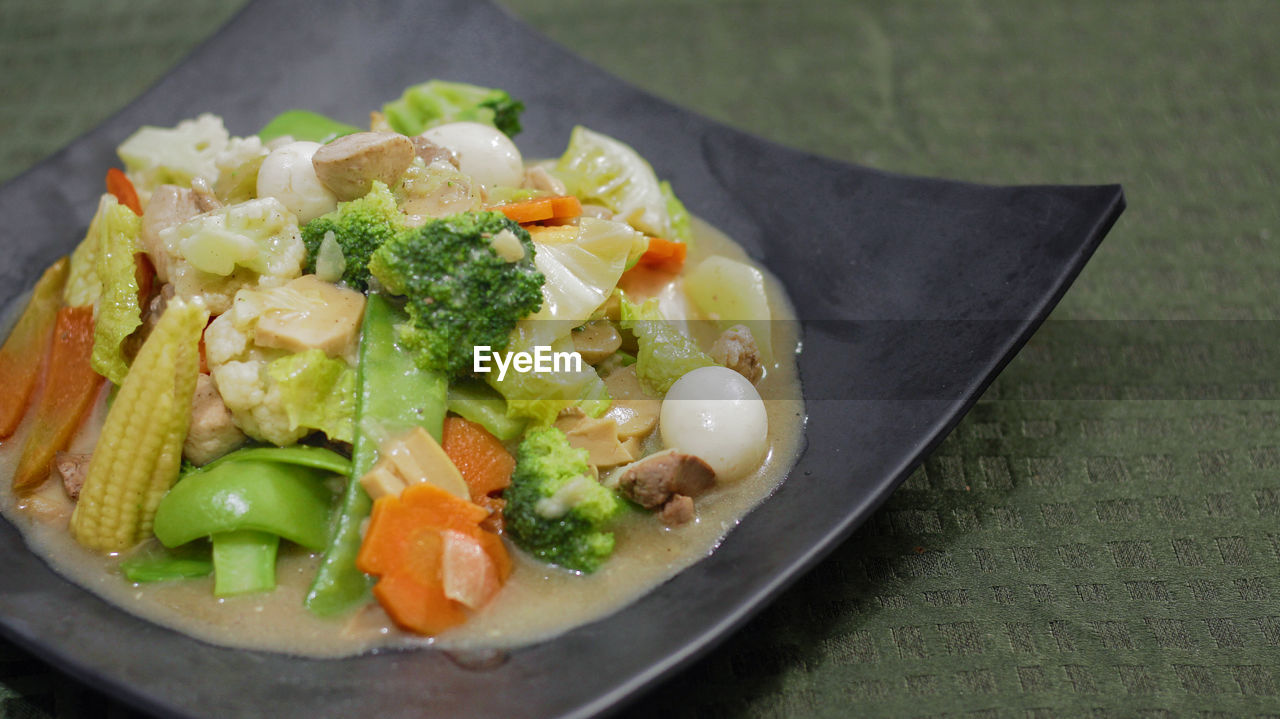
<point x="736" y="349"/>
<point x="212" y="432"/>
<point x="150" y="318"/>
<point x="204" y="195"/>
<point x="659" y="480"/>
<point x="169" y="206"/>
<point x="677" y="511"/>
<point x="72" y="468"/>
<point x="431" y="152"/>
<point x="537" y="178"/>
<point x="349" y="165"/>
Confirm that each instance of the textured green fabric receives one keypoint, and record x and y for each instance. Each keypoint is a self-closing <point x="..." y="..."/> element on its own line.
<point x="1101" y="535"/>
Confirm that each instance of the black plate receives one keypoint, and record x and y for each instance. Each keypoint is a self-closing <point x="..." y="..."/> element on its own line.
<point x="913" y="293"/>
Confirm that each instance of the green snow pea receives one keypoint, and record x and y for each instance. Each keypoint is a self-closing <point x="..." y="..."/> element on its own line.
<point x="155" y="563"/>
<point x="305" y="125"/>
<point x="245" y="504"/>
<point x="392" y="395"/>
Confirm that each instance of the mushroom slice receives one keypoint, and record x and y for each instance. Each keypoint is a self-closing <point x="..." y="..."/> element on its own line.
<point x="596" y="341"/>
<point x="349" y="165"/>
<point x="635" y="412"/>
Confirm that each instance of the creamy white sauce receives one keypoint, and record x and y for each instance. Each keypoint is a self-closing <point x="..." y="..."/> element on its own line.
<point x="538" y="601"/>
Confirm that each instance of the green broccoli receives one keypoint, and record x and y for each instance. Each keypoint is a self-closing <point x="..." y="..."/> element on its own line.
<point x="359" y="227"/>
<point x="554" y="508"/>
<point x="467" y="279"/>
<point x="437" y="102"/>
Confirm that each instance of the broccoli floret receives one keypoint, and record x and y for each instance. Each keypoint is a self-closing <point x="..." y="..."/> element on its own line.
<point x="554" y="508"/>
<point x="359" y="227"/>
<point x="467" y="279"/>
<point x="437" y="102"/>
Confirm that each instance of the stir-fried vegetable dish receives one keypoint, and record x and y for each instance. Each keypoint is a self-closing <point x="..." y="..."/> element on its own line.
<point x="406" y="352"/>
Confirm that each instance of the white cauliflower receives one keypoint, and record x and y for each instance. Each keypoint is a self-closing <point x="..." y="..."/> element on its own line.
<point x="217" y="253"/>
<point x="157" y="156"/>
<point x="283" y="358"/>
<point x="237" y="167"/>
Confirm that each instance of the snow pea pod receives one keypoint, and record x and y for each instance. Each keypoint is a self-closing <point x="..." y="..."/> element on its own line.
<point x="287" y="500"/>
<point x="305" y="125"/>
<point x="392" y="395"/>
<point x="301" y="455"/>
<point x="245" y="506"/>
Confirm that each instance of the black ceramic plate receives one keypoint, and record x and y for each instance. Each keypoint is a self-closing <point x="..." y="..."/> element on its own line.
<point x="913" y="293"/>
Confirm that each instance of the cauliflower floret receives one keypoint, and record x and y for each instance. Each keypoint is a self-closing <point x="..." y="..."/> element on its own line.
<point x="216" y="253"/>
<point x="277" y="387"/>
<point x="238" y="167"/>
<point x="157" y="156"/>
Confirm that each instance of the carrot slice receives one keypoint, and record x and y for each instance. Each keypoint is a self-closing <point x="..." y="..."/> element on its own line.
<point x="492" y="544"/>
<point x="404" y="546"/>
<point x="29" y="340"/>
<point x="417" y="606"/>
<point x="541" y="209"/>
<point x="70" y="388"/>
<point x="564" y="207"/>
<point x="484" y="462"/>
<point x="119" y="185"/>
<point x="664" y="255"/>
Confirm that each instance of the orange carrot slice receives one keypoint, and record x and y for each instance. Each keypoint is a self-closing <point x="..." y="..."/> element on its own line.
<point x="119" y="185"/>
<point x="25" y="352"/>
<point x="485" y="464"/>
<point x="69" y="391"/>
<point x="664" y="255"/>
<point x="541" y="209"/>
<point x="405" y="547"/>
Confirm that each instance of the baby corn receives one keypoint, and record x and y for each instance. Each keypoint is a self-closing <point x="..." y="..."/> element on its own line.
<point x="140" y="450"/>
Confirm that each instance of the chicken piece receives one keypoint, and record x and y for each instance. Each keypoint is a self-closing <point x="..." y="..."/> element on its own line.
<point x="72" y="468"/>
<point x="598" y="436"/>
<point x="329" y="321"/>
<point x="537" y="178"/>
<point x="664" y="479"/>
<point x="431" y="152"/>
<point x="349" y="165"/>
<point x="635" y="412"/>
<point x="203" y="195"/>
<point x="678" y="510"/>
<point x="169" y="206"/>
<point x="736" y="349"/>
<point x="596" y="341"/>
<point x="213" y="433"/>
<point x="150" y="317"/>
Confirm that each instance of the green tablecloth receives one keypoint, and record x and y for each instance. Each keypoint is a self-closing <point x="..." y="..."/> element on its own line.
<point x="1101" y="535"/>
